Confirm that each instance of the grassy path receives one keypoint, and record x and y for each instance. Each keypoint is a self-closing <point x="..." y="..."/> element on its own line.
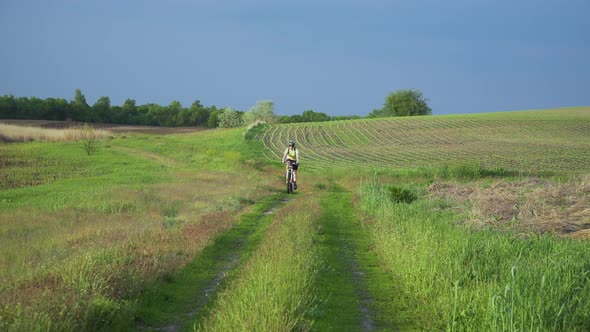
<point x="230" y="286"/>
<point x="180" y="299"/>
<point x="354" y="293"/>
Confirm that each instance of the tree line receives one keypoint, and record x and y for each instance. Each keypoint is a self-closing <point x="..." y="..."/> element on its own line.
<point x="102" y="111"/>
<point x="399" y="103"/>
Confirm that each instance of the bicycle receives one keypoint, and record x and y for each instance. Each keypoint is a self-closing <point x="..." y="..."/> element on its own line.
<point x="289" y="177"/>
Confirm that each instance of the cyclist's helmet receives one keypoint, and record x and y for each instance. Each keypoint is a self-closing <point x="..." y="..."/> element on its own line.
<point x="292" y="143"/>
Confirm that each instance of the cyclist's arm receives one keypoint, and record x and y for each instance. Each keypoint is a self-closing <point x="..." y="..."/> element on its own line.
<point x="297" y="156"/>
<point x="285" y="156"/>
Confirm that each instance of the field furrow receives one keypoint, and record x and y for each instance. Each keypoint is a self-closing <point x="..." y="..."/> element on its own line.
<point x="520" y="141"/>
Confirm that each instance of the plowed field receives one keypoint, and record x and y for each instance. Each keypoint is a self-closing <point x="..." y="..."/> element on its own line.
<point x="548" y="140"/>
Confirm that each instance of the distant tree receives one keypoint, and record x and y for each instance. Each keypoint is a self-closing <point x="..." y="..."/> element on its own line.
<point x="262" y="111"/>
<point x="23" y="108"/>
<point x="80" y="111"/>
<point x="307" y="116"/>
<point x="182" y="117"/>
<point x="311" y="116"/>
<point x="156" y="115"/>
<point x="295" y="118"/>
<point x="56" y="109"/>
<point x="102" y="110"/>
<point x="129" y="109"/>
<point x="143" y="115"/>
<point x="38" y="108"/>
<point x="198" y="114"/>
<point x="403" y="103"/>
<point x="172" y="114"/>
<point x="213" y="119"/>
<point x="118" y="115"/>
<point x="230" y="118"/>
<point x="283" y="119"/>
<point x="7" y="107"/>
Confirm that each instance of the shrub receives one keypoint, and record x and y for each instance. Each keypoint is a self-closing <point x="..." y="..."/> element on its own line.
<point x="401" y="195"/>
<point x="89" y="139"/>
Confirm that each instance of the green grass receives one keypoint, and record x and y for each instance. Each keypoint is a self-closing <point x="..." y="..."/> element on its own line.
<point x="355" y="291"/>
<point x="273" y="291"/>
<point x="81" y="235"/>
<point x="132" y="235"/>
<point x="177" y="299"/>
<point x="338" y="303"/>
<point x="459" y="280"/>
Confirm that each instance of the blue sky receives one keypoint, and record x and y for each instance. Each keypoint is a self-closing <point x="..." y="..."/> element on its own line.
<point x="338" y="57"/>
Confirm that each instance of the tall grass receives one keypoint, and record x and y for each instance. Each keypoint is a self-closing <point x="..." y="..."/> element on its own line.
<point x="273" y="292"/>
<point x="81" y="236"/>
<point x="12" y="133"/>
<point x="459" y="280"/>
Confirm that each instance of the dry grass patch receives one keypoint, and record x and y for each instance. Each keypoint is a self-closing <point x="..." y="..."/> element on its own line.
<point x="530" y="205"/>
<point x="14" y="133"/>
<point x="115" y="128"/>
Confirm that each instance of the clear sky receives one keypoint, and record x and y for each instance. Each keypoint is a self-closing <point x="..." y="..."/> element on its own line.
<point x="338" y="57"/>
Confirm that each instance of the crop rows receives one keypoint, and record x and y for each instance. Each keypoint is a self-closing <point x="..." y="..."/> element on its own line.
<point x="555" y="140"/>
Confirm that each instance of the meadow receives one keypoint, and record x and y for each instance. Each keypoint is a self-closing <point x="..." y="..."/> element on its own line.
<point x="458" y="223"/>
<point x="81" y="235"/>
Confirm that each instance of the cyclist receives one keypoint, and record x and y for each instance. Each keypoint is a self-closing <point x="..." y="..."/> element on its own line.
<point x="292" y="154"/>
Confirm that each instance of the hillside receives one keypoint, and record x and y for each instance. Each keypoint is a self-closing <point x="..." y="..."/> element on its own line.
<point x="548" y="140"/>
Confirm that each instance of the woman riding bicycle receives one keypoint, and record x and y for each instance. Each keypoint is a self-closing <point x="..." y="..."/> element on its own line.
<point x="292" y="154"/>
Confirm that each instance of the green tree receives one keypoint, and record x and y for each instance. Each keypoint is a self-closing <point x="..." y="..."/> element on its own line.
<point x="403" y="103"/>
<point x="213" y="119"/>
<point x="57" y="109"/>
<point x="23" y="108"/>
<point x="230" y="118"/>
<point x="182" y="117"/>
<point x="7" y="107"/>
<point x="283" y="119"/>
<point x="174" y="114"/>
<point x="311" y="116"/>
<point x="144" y="116"/>
<point x="102" y="110"/>
<point x="295" y="118"/>
<point x="118" y="115"/>
<point x="79" y="107"/>
<point x="130" y="111"/>
<point x="262" y="111"/>
<point x="198" y="114"/>
<point x="156" y="115"/>
<point x="38" y="108"/>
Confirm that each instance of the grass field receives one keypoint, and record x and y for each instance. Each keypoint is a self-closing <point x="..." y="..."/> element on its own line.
<point x="84" y="233"/>
<point x="458" y="223"/>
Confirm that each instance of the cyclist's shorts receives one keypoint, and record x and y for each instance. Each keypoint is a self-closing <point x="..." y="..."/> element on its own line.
<point x="295" y="165"/>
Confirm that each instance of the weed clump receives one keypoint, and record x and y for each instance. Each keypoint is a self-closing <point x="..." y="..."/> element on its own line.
<point x="401" y="194"/>
<point x="88" y="137"/>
